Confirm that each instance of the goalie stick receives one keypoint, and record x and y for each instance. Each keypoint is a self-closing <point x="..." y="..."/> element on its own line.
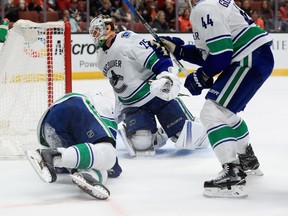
<point x="154" y="34"/>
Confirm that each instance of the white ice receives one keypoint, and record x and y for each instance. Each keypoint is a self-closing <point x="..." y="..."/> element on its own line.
<point x="171" y="183"/>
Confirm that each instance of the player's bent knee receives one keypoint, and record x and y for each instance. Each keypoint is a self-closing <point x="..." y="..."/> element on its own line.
<point x="141" y="140"/>
<point x="211" y="114"/>
<point x="104" y="156"/>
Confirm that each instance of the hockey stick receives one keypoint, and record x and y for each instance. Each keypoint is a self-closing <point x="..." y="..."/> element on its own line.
<point x="154" y="34"/>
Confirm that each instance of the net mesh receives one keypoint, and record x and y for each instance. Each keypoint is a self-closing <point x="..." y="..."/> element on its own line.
<point x="32" y="76"/>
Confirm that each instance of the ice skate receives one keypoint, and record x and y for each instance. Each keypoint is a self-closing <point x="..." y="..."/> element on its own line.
<point x="249" y="162"/>
<point x="42" y="162"/>
<point x="90" y="185"/>
<point x="230" y="183"/>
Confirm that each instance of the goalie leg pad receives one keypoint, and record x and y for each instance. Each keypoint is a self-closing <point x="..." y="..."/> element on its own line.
<point x="141" y="140"/>
<point x="192" y="136"/>
<point x="138" y="145"/>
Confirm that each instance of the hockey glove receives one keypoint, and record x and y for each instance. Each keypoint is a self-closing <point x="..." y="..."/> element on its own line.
<point x="166" y="86"/>
<point x="197" y="81"/>
<point x="174" y="45"/>
<point x="160" y="51"/>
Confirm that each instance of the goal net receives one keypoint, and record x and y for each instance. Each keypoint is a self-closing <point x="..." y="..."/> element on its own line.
<point x="35" y="70"/>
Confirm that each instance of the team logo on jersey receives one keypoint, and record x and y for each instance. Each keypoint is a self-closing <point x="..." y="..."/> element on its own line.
<point x="126" y="34"/>
<point x="111" y="64"/>
<point x="114" y="79"/>
<point x="90" y="134"/>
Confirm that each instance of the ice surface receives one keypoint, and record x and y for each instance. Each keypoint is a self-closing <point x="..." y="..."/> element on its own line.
<point x="171" y="183"/>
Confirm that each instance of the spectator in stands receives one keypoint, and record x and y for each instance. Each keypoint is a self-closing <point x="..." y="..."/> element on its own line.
<point x="34" y="5"/>
<point x="74" y="25"/>
<point x="273" y="3"/>
<point x="170" y="14"/>
<point x="161" y="4"/>
<point x="94" y="6"/>
<point x="23" y="6"/>
<point x="82" y="11"/>
<point x="107" y="8"/>
<point x="238" y="3"/>
<point x="257" y="20"/>
<point x="12" y="11"/>
<point x="123" y="15"/>
<point x="4" y="26"/>
<point x="281" y="25"/>
<point x="159" y="24"/>
<point x="148" y="10"/>
<point x="116" y="3"/>
<point x="284" y="10"/>
<point x="266" y="11"/>
<point x="52" y="5"/>
<point x="63" y="5"/>
<point x="74" y="12"/>
<point x="184" y="22"/>
<point x="246" y="6"/>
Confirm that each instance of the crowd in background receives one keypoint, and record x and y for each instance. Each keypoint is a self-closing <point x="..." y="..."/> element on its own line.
<point x="161" y="15"/>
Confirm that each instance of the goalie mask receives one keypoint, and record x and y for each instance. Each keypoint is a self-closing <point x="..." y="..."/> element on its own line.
<point x="98" y="30"/>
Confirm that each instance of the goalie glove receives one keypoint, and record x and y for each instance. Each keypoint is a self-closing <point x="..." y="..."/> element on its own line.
<point x="166" y="86"/>
<point x="197" y="81"/>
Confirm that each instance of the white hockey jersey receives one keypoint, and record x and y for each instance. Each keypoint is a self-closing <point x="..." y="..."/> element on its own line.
<point x="217" y="22"/>
<point x="127" y="65"/>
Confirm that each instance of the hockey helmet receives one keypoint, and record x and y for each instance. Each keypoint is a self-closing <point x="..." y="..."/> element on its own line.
<point x="98" y="31"/>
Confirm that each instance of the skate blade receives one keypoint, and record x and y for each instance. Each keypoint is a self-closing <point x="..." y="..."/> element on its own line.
<point x="98" y="191"/>
<point x="35" y="160"/>
<point x="257" y="172"/>
<point x="237" y="191"/>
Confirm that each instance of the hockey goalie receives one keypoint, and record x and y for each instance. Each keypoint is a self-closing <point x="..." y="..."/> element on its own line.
<point x="146" y="88"/>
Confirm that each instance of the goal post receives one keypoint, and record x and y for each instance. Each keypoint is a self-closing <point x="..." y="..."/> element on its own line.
<point x="35" y="70"/>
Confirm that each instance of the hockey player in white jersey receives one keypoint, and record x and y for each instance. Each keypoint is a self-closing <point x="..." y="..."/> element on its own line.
<point x="79" y="133"/>
<point x="230" y="45"/>
<point x="146" y="89"/>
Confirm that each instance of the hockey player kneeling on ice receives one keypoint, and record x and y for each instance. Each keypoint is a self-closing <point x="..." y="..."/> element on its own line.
<point x="146" y="88"/>
<point x="79" y="133"/>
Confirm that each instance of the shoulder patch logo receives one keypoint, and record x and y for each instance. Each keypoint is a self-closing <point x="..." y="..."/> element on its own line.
<point x="126" y="34"/>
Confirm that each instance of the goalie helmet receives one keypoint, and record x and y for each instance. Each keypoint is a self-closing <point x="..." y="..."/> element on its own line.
<point x="98" y="31"/>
